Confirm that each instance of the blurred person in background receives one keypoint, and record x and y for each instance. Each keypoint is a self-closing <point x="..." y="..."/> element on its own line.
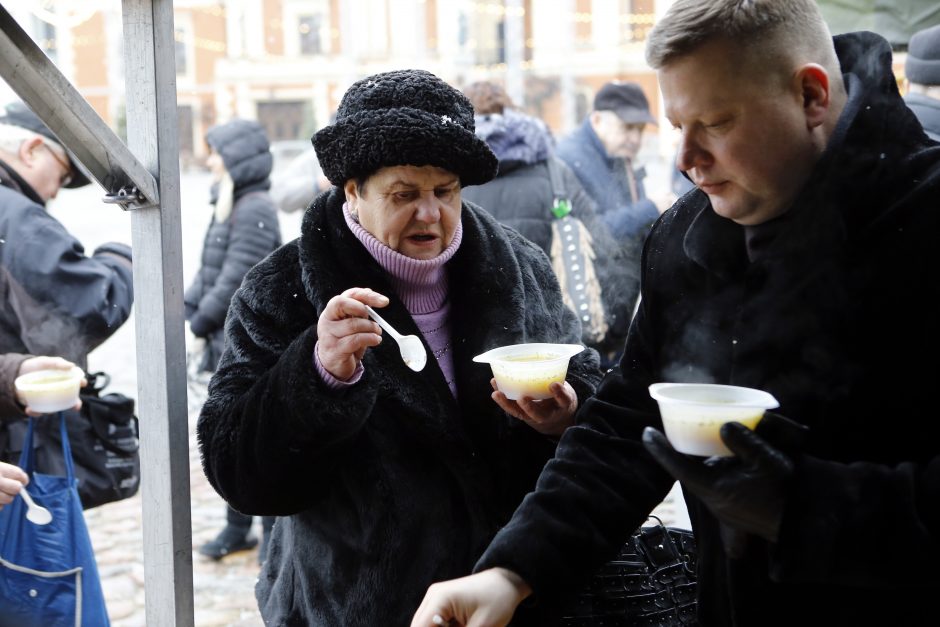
<point x="294" y="186"/>
<point x="56" y="300"/>
<point x="523" y="196"/>
<point x="385" y="479"/>
<point x="602" y="153"/>
<point x="243" y="230"/>
<point x="922" y="69"/>
<point x="802" y="265"/>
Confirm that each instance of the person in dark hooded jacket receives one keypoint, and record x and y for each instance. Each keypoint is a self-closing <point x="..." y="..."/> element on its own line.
<point x="523" y="196"/>
<point x="803" y="264"/>
<point x="244" y="229"/>
<point x="383" y="478"/>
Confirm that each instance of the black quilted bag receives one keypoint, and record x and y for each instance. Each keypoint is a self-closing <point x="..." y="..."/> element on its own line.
<point x="651" y="584"/>
<point x="104" y="438"/>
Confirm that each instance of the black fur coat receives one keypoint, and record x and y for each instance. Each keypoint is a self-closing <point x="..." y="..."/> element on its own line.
<point x="390" y="485"/>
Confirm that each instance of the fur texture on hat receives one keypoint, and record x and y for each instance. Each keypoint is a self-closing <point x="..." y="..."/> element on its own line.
<point x="923" y="57"/>
<point x="405" y="117"/>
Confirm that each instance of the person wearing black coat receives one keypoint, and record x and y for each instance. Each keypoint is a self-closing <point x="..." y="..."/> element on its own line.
<point x="383" y="478"/>
<point x="244" y="229"/>
<point x="522" y="196"/>
<point x="602" y="153"/>
<point x="56" y="300"/>
<point x="802" y="265"/>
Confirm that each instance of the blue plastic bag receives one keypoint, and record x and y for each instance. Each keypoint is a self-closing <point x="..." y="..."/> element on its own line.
<point x="48" y="574"/>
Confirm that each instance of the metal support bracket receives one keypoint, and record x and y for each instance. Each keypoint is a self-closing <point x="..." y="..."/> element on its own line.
<point x="128" y="198"/>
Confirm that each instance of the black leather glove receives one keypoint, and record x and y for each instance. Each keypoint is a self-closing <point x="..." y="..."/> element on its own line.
<point x="782" y="433"/>
<point x="745" y="492"/>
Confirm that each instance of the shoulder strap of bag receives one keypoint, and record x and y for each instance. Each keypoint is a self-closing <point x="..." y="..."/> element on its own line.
<point x="97" y="381"/>
<point x="26" y="457"/>
<point x="66" y="449"/>
<point x="562" y="204"/>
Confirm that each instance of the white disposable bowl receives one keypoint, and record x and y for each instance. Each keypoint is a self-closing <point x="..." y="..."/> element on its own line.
<point x="694" y="412"/>
<point x="49" y="391"/>
<point x="528" y="369"/>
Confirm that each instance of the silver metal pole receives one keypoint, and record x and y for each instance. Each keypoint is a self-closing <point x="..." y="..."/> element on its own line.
<point x="150" y="73"/>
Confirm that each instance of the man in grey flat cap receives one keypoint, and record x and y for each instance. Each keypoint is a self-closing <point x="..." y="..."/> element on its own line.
<point x="602" y="153"/>
<point x="57" y="300"/>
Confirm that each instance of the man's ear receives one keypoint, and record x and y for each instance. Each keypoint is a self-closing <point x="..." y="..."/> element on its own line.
<point x="27" y="152"/>
<point x="814" y="86"/>
<point x="596" y="117"/>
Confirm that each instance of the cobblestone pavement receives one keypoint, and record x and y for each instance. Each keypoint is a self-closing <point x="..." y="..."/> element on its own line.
<point x="223" y="591"/>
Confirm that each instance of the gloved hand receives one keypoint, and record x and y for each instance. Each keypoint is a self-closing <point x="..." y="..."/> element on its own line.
<point x="782" y="433"/>
<point x="745" y="492"/>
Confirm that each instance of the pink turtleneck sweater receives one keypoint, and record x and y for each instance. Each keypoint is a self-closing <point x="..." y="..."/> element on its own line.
<point x="421" y="284"/>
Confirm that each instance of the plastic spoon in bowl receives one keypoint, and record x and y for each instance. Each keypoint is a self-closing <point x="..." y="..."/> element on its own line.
<point x="410" y="346"/>
<point x="36" y="514"/>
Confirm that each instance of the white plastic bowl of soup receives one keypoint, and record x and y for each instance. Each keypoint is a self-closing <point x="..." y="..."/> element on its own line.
<point x="694" y="412"/>
<point x="48" y="391"/>
<point x="529" y="369"/>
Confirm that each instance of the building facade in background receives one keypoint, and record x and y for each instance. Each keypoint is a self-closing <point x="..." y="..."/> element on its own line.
<point x="286" y="63"/>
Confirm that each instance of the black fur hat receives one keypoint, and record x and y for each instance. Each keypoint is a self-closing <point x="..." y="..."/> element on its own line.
<point x="405" y="117"/>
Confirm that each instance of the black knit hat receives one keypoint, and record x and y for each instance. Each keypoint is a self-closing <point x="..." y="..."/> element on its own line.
<point x="18" y="114"/>
<point x="923" y="57"/>
<point x="405" y="117"/>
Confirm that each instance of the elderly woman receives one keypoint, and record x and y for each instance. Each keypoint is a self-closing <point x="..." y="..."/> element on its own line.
<point x="387" y="479"/>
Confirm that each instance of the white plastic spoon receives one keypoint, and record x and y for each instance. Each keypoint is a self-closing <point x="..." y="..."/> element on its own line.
<point x="410" y="346"/>
<point x="36" y="514"/>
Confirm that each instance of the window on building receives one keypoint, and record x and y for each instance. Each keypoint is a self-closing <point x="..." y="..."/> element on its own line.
<point x="184" y="116"/>
<point x="636" y="19"/>
<point x="181" y="58"/>
<point x="283" y="119"/>
<point x="44" y="34"/>
<point x="487" y="35"/>
<point x="309" y="29"/>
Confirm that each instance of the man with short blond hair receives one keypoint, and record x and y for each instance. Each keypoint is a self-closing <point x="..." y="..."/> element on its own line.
<point x="803" y="265"/>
